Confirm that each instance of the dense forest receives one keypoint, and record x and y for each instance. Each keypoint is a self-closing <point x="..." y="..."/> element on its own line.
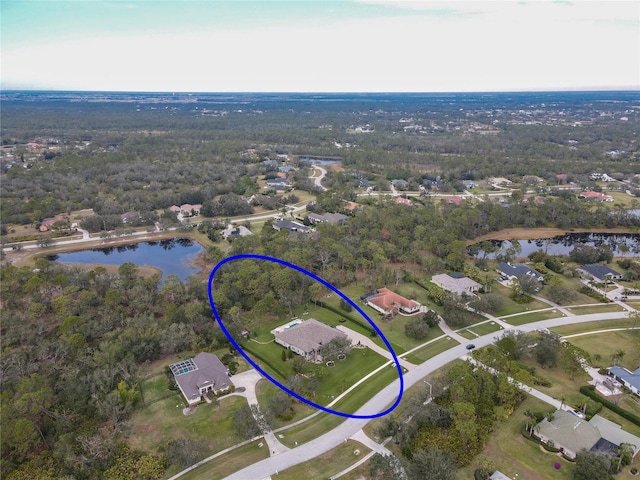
<point x="121" y="153"/>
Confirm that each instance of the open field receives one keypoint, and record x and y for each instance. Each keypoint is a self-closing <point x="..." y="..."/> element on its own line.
<point x="230" y="462"/>
<point x="510" y="307"/>
<point x="153" y="426"/>
<point x="485" y="328"/>
<point x="603" y="345"/>
<point x="522" y="233"/>
<point x="327" y="464"/>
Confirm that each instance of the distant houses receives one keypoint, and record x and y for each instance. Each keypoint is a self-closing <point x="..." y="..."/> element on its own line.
<point x="631" y="380"/>
<point x="596" y="196"/>
<point x="54" y="222"/>
<point x="235" y="231"/>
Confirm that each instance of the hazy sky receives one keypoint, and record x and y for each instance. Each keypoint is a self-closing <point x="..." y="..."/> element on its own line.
<point x="319" y="46"/>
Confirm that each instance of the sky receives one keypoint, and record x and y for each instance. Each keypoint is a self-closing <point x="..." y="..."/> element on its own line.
<point x="319" y="46"/>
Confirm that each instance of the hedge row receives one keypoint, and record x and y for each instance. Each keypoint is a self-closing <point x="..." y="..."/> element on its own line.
<point x="589" y="391"/>
<point x="262" y="359"/>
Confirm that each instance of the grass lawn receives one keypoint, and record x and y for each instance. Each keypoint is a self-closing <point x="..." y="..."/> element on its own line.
<point x="153" y="426"/>
<point x="155" y="388"/>
<point x="431" y="350"/>
<point x="485" y="328"/>
<point x="597" y="308"/>
<point x="466" y="333"/>
<point x="230" y="462"/>
<point x="510" y="307"/>
<point x="515" y="455"/>
<point x="562" y="385"/>
<point x="603" y="345"/>
<point x="533" y="317"/>
<point x="310" y="430"/>
<point x="365" y="391"/>
<point x="592" y="326"/>
<point x="327" y="464"/>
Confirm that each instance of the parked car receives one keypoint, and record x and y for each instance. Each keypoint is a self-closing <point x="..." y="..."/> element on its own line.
<point x="471" y="346"/>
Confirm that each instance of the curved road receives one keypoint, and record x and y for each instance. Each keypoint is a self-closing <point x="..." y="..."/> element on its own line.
<point x="265" y="468"/>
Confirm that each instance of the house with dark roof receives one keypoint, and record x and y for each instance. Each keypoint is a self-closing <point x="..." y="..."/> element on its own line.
<point x="291" y="226"/>
<point x="631" y="380"/>
<point x="278" y="183"/>
<point x="572" y="434"/>
<point x="390" y="303"/>
<point x="332" y="218"/>
<point x="458" y="284"/>
<point x="306" y="337"/>
<point x="514" y="271"/>
<point x="199" y="375"/>
<point x="599" y="271"/>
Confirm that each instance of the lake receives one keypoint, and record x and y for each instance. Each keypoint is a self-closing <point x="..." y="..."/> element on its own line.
<point x="173" y="256"/>
<point x="563" y="244"/>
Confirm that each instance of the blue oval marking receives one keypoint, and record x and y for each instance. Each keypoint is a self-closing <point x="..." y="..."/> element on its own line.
<point x="335" y="290"/>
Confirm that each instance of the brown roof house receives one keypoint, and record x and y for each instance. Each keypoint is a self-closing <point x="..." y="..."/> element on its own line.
<point x="306" y="337"/>
<point x="199" y="375"/>
<point x="390" y="303"/>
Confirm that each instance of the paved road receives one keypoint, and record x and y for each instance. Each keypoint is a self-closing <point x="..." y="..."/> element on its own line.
<point x="265" y="468"/>
<point x="318" y="180"/>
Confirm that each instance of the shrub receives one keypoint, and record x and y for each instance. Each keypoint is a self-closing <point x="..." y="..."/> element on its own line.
<point x="589" y="391"/>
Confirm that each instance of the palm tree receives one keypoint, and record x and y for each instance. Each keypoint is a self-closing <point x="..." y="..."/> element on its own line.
<point x="530" y="424"/>
<point x="617" y="356"/>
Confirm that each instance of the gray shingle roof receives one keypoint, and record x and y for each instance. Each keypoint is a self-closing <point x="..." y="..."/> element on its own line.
<point x="309" y="335"/>
<point x="569" y="431"/>
<point x="209" y="371"/>
<point x="600" y="271"/>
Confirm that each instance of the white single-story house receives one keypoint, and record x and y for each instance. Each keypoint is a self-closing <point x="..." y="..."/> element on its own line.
<point x="631" y="380"/>
<point x="291" y="226"/>
<point x="332" y="218"/>
<point x="456" y="283"/>
<point x="199" y="375"/>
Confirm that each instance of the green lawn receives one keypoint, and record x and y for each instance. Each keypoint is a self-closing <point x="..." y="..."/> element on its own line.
<point x="425" y="353"/>
<point x="510" y="307"/>
<point x="592" y="326"/>
<point x="466" y="333"/>
<point x="155" y="388"/>
<point x="153" y="426"/>
<point x="327" y="464"/>
<point x="230" y="462"/>
<point x="365" y="391"/>
<point x="310" y="430"/>
<point x="597" y="308"/>
<point x="603" y="345"/>
<point x="485" y="328"/>
<point x="533" y="317"/>
<point x="514" y="455"/>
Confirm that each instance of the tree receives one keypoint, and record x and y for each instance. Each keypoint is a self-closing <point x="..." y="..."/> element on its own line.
<point x="546" y="350"/>
<point x="591" y="466"/>
<point x="337" y="346"/>
<point x="431" y="464"/>
<point x="529" y="284"/>
<point x="383" y="467"/>
<point x="244" y="422"/>
<point x="416" y="328"/>
<point x="44" y="242"/>
<point x="186" y="451"/>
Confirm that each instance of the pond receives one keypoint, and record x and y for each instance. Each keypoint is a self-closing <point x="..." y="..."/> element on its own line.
<point x="173" y="257"/>
<point x="563" y="244"/>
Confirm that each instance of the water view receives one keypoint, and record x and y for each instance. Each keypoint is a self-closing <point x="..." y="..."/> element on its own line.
<point x="172" y="257"/>
<point x="623" y="245"/>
